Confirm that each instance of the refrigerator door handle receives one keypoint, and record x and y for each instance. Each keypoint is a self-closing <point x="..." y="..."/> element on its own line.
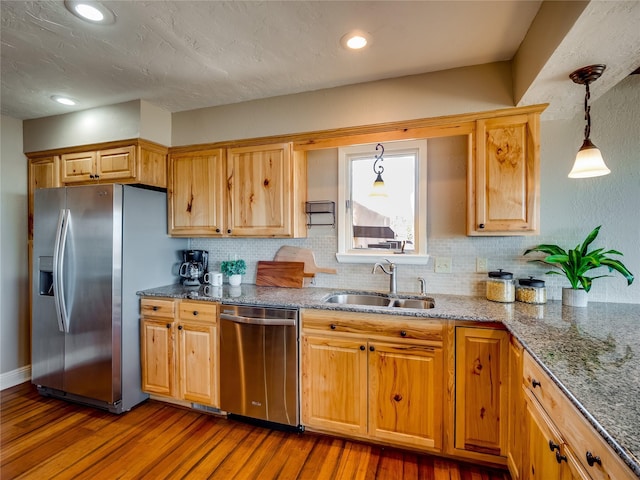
<point x="58" y="269"/>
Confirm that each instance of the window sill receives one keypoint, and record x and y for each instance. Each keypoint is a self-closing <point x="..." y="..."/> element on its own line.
<point x="397" y="258"/>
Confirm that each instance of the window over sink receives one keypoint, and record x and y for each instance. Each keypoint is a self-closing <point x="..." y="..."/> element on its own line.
<point x="382" y="199"/>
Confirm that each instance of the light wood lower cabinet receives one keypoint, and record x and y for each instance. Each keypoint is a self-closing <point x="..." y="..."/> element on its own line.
<point x="481" y="391"/>
<point x="515" y="430"/>
<point x="180" y="350"/>
<point x="359" y="377"/>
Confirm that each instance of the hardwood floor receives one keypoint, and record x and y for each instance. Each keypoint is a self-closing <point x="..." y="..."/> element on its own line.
<point x="44" y="438"/>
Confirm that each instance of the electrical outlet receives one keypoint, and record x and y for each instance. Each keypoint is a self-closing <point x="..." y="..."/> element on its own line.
<point x="443" y="264"/>
<point x="482" y="265"/>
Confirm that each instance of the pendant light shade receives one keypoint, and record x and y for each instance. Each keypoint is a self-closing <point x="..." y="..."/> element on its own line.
<point x="589" y="161"/>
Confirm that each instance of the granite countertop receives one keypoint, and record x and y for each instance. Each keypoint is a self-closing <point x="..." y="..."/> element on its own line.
<point x="593" y="353"/>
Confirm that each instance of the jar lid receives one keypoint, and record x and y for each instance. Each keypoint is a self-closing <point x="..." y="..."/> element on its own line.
<point x="501" y="274"/>
<point x="531" y="282"/>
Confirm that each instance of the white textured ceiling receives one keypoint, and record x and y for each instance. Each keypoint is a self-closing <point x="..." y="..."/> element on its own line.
<point x="183" y="55"/>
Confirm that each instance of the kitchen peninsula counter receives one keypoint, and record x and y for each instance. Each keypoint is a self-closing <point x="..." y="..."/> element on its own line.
<point x="592" y="354"/>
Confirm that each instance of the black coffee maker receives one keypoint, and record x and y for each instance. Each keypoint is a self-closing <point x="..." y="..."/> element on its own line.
<point x="194" y="266"/>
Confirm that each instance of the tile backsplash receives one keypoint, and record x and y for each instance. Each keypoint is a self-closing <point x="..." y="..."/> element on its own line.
<point x="501" y="252"/>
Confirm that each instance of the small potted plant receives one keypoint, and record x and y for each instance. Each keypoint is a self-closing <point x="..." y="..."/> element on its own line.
<point x="576" y="263"/>
<point x="234" y="269"/>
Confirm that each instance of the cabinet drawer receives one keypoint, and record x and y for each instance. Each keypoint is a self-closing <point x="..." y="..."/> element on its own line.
<point x="204" y="311"/>
<point x="372" y="325"/>
<point x="156" y="307"/>
<point x="576" y="431"/>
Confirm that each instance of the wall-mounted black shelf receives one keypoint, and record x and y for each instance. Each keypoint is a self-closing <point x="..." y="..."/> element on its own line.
<point x="320" y="207"/>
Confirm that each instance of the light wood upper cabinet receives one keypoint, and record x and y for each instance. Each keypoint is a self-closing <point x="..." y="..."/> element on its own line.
<point x="256" y="191"/>
<point x="44" y="172"/>
<point x="503" y="177"/>
<point x="179" y="353"/>
<point x="196" y="193"/>
<point x="481" y="390"/>
<point x="367" y="376"/>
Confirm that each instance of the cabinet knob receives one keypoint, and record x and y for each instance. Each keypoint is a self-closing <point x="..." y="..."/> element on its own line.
<point x="553" y="446"/>
<point x="535" y="383"/>
<point x="91" y="175"/>
<point x="372" y="348"/>
<point x="195" y="313"/>
<point x="481" y="225"/>
<point x="332" y="326"/>
<point x="168" y="325"/>
<point x="217" y="230"/>
<point x="96" y="176"/>
<point x="592" y="459"/>
<point x="560" y="458"/>
<point x="403" y="333"/>
<point x="179" y="327"/>
<point x="229" y="230"/>
<point x="362" y="347"/>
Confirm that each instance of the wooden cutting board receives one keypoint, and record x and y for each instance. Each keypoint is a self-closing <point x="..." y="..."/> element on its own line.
<point x="305" y="255"/>
<point x="280" y="274"/>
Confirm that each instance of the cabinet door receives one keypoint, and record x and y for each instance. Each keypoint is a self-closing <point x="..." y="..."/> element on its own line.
<point x="78" y="167"/>
<point x="481" y="399"/>
<point x="195" y="193"/>
<point x="197" y="359"/>
<point x="260" y="191"/>
<point x="43" y="173"/>
<point x="507" y="177"/>
<point x="405" y="394"/>
<point x="158" y="361"/>
<point x="116" y="163"/>
<point x="515" y="429"/>
<point x="334" y="384"/>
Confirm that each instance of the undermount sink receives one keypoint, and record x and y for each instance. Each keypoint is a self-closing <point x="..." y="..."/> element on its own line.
<point x="380" y="301"/>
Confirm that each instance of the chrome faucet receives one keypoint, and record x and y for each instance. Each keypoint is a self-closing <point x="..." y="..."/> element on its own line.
<point x="391" y="272"/>
<point x="423" y="285"/>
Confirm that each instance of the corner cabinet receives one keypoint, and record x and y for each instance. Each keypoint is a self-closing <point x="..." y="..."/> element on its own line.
<point x="179" y="349"/>
<point x="503" y="177"/>
<point x="257" y="191"/>
<point x="481" y="372"/>
<point x="358" y="377"/>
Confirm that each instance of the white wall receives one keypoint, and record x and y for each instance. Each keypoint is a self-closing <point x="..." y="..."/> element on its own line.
<point x="14" y="288"/>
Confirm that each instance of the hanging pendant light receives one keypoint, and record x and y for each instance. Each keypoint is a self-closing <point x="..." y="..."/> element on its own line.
<point x="589" y="161"/>
<point x="379" y="189"/>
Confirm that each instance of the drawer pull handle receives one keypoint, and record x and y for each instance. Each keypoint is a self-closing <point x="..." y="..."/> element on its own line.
<point x="332" y="326"/>
<point x="560" y="458"/>
<point x="592" y="459"/>
<point x="403" y="333"/>
<point x="363" y="348"/>
<point x="155" y="308"/>
<point x="553" y="446"/>
<point x="535" y="383"/>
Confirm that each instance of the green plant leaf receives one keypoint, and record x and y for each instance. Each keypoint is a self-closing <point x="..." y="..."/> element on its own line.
<point x="619" y="267"/>
<point x="590" y="238"/>
<point x="548" y="249"/>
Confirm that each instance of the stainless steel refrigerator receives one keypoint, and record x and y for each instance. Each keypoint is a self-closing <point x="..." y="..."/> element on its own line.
<point x="94" y="247"/>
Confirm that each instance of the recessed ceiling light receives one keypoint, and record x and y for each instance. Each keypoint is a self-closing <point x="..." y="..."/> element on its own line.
<point x="355" y="40"/>
<point x="90" y="11"/>
<point x="64" y="100"/>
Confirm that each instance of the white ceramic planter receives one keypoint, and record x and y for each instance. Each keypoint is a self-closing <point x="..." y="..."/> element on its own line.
<point x="235" y="280"/>
<point x="574" y="298"/>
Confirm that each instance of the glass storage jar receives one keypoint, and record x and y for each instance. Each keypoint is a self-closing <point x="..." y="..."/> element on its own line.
<point x="531" y="290"/>
<point x="501" y="287"/>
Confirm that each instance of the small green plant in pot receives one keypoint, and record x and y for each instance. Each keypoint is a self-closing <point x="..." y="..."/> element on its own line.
<point x="575" y="264"/>
<point x="234" y="269"/>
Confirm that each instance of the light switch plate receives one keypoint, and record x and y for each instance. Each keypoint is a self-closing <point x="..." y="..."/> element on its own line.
<point x="482" y="265"/>
<point x="443" y="265"/>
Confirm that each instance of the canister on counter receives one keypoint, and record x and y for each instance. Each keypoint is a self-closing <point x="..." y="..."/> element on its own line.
<point x="531" y="290"/>
<point x="501" y="287"/>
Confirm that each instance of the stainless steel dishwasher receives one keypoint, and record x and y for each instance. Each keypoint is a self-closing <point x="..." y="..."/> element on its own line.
<point x="259" y="364"/>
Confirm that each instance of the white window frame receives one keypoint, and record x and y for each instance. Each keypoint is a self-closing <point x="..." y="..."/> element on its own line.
<point x="348" y="255"/>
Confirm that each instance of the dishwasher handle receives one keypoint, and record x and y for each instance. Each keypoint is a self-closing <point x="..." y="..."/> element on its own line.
<point x="258" y="321"/>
